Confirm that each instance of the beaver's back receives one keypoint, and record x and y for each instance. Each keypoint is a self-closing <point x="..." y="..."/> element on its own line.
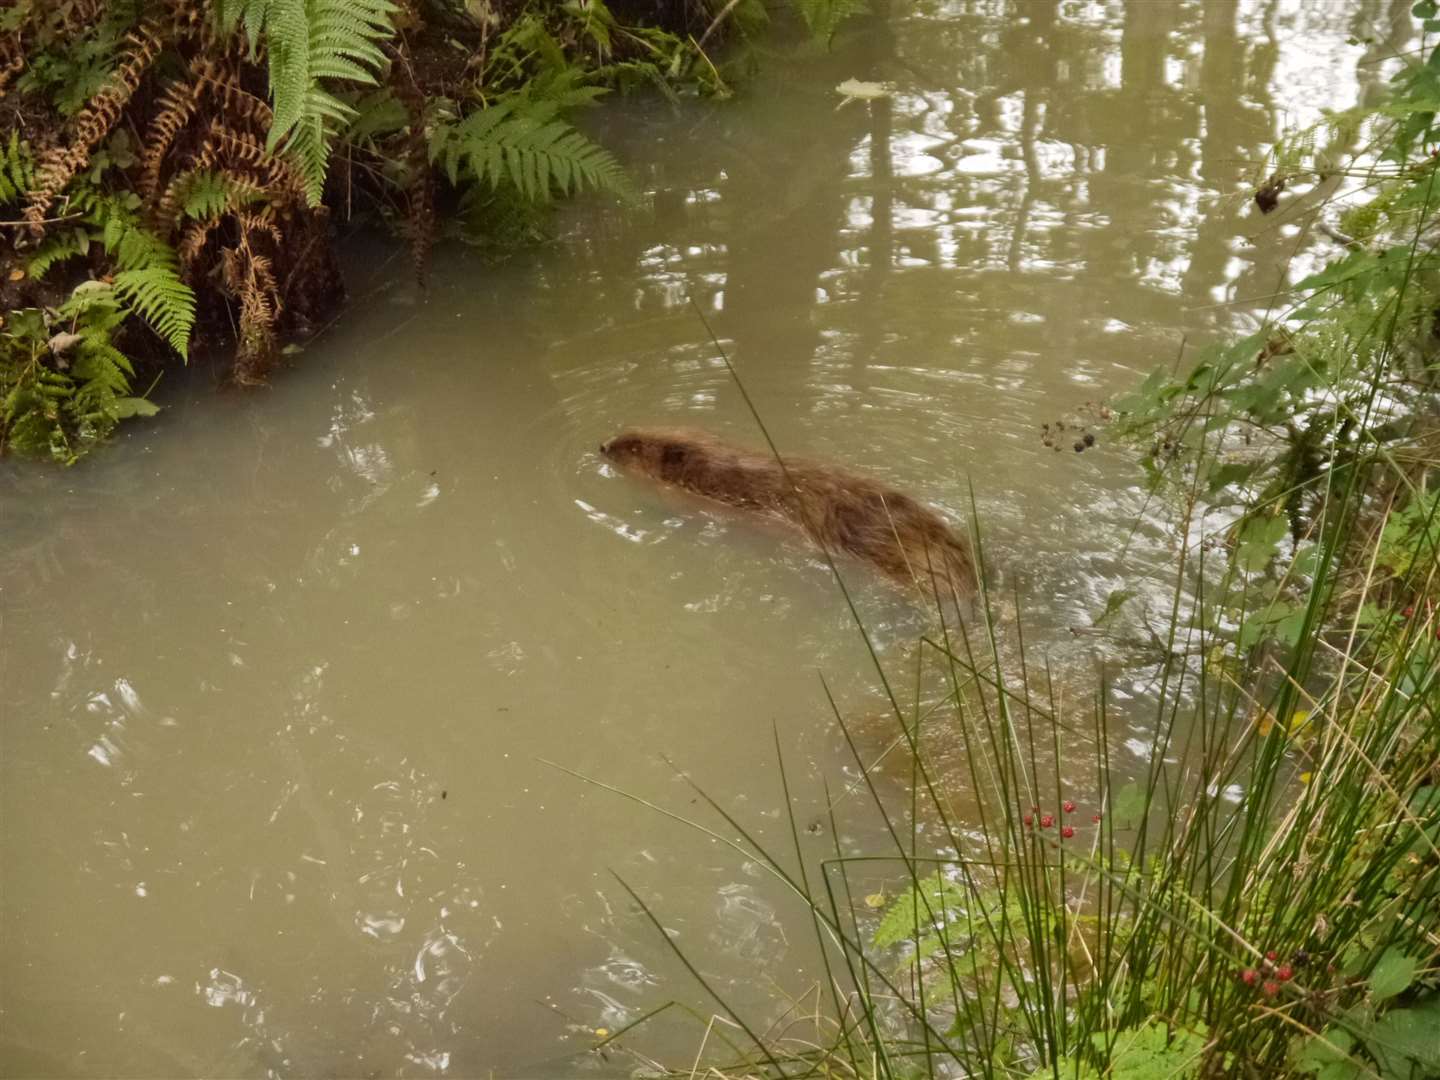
<point x="839" y="510"/>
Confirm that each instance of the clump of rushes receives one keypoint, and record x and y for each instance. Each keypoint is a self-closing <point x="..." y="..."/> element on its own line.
<point x="1288" y="804"/>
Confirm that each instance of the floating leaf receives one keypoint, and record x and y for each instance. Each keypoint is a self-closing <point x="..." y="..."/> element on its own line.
<point x="1113" y="603"/>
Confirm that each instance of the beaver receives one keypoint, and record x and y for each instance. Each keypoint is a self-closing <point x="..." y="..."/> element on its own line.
<point x="836" y="509"/>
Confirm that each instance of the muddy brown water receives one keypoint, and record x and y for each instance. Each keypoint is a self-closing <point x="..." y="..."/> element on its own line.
<point x="282" y="673"/>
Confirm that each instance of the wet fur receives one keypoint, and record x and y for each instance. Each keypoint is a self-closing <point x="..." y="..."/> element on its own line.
<point x="840" y="511"/>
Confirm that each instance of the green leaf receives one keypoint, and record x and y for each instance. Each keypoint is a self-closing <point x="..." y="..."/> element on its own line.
<point x="1393" y="972"/>
<point x="1128" y="804"/>
<point x="125" y="407"/>
<point x="1405" y="1038"/>
<point x="1258" y="538"/>
<point x="1152" y="1052"/>
<point x="1328" y="1055"/>
<point x="1113" y="603"/>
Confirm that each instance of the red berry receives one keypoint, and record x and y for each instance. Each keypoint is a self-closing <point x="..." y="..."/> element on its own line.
<point x="1284" y="972"/>
<point x="1047" y="821"/>
<point x="1096" y="819"/>
<point x="1248" y="976"/>
<point x="1270" y="955"/>
<point x="1029" y="820"/>
<point x="1270" y="988"/>
<point x="1408" y="612"/>
<point x="1069" y="807"/>
<point x="1068" y="831"/>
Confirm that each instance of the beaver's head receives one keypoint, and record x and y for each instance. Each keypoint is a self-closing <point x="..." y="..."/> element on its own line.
<point x="659" y="454"/>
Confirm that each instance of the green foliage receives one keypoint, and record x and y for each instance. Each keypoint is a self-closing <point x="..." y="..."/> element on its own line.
<point x="1150" y="1051"/>
<point x="312" y="44"/>
<point x="63" y="384"/>
<point x="148" y="280"/>
<point x="823" y="17"/>
<point x="58" y="246"/>
<point x="1283" y="424"/>
<point x="521" y="140"/>
<point x="66" y="67"/>
<point x="17" y="170"/>
<point x="204" y="194"/>
<point x="159" y="296"/>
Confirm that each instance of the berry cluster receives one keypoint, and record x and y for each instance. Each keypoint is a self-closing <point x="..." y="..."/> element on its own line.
<point x="1048" y="820"/>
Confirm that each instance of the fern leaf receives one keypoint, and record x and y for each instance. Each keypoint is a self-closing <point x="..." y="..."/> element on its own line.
<point x="308" y="41"/>
<point x="520" y="141"/>
<point x="162" y="300"/>
<point x="56" y="248"/>
<point x="17" y="169"/>
<point x="823" y="17"/>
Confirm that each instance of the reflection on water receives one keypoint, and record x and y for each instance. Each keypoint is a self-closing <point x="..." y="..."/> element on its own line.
<point x="281" y="675"/>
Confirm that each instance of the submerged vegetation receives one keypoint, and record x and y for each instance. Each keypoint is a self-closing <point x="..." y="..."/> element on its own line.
<point x="171" y="172"/>
<point x="1257" y="894"/>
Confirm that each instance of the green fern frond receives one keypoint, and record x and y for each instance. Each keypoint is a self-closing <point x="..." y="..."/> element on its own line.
<point x="162" y="300"/>
<point x="17" y="169"/>
<point x="309" y="41"/>
<point x="56" y="248"/>
<point x="823" y="17"/>
<point x="522" y="140"/>
<point x="202" y="194"/>
<point x="377" y="113"/>
<point x="103" y="373"/>
<point x="133" y="247"/>
<point x="149" y="278"/>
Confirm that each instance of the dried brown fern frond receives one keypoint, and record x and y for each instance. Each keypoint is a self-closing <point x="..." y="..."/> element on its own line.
<point x="226" y="145"/>
<point x="419" y="224"/>
<point x="239" y="103"/>
<point x="12" y="60"/>
<point x="177" y="105"/>
<point x="250" y="276"/>
<point x="194" y="238"/>
<point x="59" y="164"/>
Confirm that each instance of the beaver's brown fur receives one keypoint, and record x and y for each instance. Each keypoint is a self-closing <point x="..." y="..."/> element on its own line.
<point x="838" y="510"/>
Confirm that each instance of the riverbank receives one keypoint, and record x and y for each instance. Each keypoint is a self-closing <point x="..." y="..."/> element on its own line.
<point x="174" y="178"/>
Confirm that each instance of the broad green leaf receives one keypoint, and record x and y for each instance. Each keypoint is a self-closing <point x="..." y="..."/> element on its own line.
<point x="1393" y="972"/>
<point x="1258" y="538"/>
<point x="1128" y="804"/>
<point x="1328" y="1055"/>
<point x="124" y="407"/>
<point x="1405" y="1038"/>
